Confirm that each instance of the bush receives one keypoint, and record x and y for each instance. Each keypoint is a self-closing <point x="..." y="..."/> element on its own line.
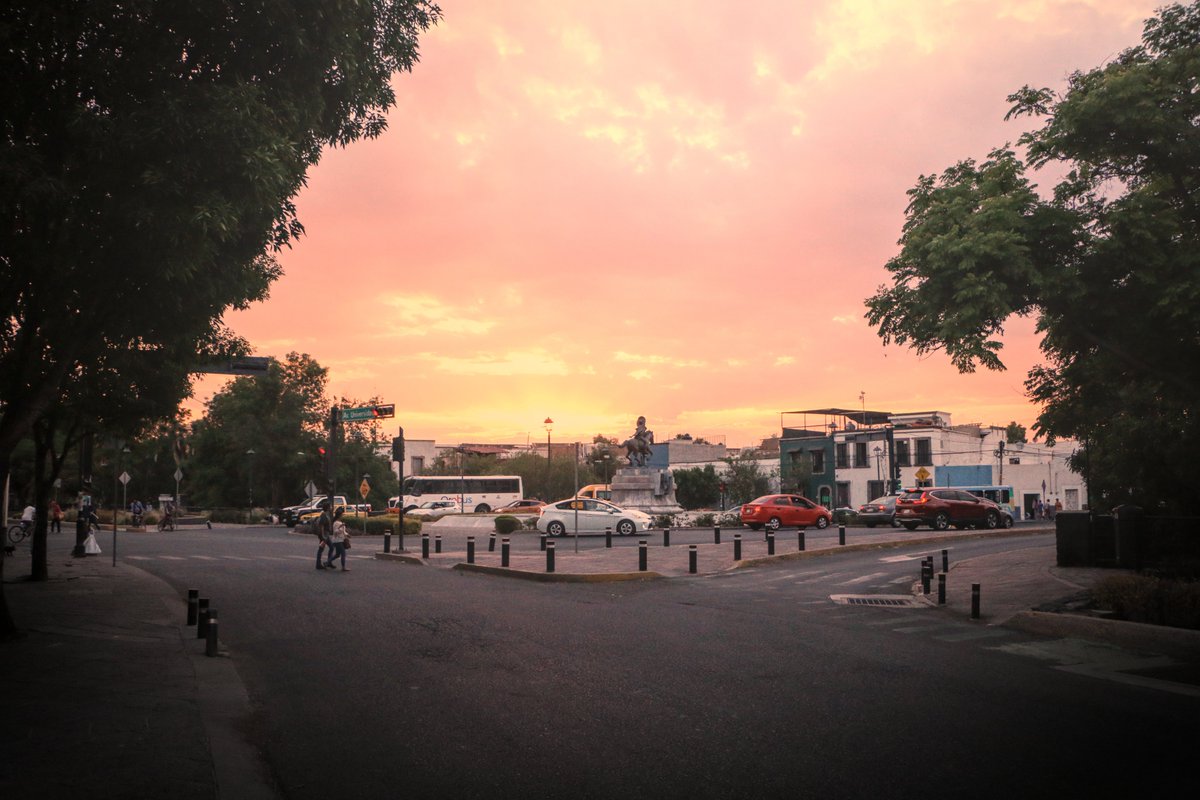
<point x="376" y="526"/>
<point x="1144" y="598"/>
<point x="662" y="521"/>
<point x="705" y="521"/>
<point x="506" y="523"/>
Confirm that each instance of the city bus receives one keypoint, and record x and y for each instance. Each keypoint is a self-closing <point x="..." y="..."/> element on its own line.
<point x="1002" y="496"/>
<point x="473" y="493"/>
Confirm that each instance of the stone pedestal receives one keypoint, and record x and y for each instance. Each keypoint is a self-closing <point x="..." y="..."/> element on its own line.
<point x="647" y="489"/>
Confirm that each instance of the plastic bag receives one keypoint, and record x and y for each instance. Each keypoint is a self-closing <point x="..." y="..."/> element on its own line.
<point x="91" y="546"/>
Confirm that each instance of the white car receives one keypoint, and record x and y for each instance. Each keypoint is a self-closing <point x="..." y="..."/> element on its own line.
<point x="592" y="516"/>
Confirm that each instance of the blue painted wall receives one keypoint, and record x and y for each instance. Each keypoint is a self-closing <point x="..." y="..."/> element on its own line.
<point x="966" y="475"/>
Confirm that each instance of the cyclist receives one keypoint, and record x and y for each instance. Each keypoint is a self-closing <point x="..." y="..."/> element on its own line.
<point x="27" y="518"/>
<point x="136" y="510"/>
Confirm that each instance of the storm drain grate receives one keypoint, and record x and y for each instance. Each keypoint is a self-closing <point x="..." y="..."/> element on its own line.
<point x="873" y="600"/>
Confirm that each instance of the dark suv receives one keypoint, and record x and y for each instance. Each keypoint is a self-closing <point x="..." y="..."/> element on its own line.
<point x="941" y="508"/>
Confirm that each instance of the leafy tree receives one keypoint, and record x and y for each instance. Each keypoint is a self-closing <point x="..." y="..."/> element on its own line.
<point x="698" y="487"/>
<point x="745" y="479"/>
<point x="1014" y="433"/>
<point x="1109" y="263"/>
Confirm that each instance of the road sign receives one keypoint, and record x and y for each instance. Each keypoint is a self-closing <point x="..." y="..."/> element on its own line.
<point x="124" y="478"/>
<point x="922" y="474"/>
<point x="310" y="489"/>
<point x="364" y="489"/>
<point x="178" y="474"/>
<point x="366" y="412"/>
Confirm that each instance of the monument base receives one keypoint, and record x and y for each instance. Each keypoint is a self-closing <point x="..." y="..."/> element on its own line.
<point x="647" y="489"/>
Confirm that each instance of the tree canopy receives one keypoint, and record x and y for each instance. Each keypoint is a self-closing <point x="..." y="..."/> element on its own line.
<point x="1107" y="261"/>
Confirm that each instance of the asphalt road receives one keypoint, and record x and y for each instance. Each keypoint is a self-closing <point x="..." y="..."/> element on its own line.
<point x="396" y="680"/>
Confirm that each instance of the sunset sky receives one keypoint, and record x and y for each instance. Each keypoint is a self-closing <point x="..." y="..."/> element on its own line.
<point x="590" y="211"/>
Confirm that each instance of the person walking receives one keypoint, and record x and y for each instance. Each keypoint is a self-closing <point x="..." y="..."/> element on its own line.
<point x="323" y="529"/>
<point x="83" y="526"/>
<point x="337" y="541"/>
<point x="56" y="517"/>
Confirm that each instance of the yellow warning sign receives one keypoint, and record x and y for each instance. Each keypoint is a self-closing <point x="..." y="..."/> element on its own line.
<point x="364" y="489"/>
<point x="922" y="475"/>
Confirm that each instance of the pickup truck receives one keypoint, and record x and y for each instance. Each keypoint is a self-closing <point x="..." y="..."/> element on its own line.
<point x="290" y="515"/>
<point x="308" y="515"/>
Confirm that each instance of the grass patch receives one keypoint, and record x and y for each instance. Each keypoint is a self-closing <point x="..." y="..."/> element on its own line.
<point x="1150" y="599"/>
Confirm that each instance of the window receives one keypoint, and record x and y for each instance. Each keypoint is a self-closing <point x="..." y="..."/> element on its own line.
<point x="903" y="458"/>
<point x="843" y="494"/>
<point x="418" y="465"/>
<point x="1014" y="460"/>
<point x="860" y="455"/>
<point x="842" y="455"/>
<point x="875" y="489"/>
<point x="818" y="459"/>
<point x="924" y="453"/>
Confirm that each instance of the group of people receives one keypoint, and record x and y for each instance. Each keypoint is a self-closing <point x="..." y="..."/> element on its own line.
<point x="331" y="535"/>
<point x="29" y="516"/>
<point x="1046" y="510"/>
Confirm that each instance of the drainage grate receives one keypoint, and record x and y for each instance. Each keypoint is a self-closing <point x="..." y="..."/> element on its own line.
<point x="874" y="600"/>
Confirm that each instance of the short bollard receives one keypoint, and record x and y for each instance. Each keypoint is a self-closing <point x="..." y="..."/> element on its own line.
<point x="202" y="618"/>
<point x="550" y="557"/>
<point x="387" y="540"/>
<point x="926" y="575"/>
<point x="642" y="555"/>
<point x="437" y="543"/>
<point x="542" y="542"/>
<point x="692" y="558"/>
<point x="945" y="561"/>
<point x="800" y="538"/>
<point x="424" y="545"/>
<point x="941" y="588"/>
<point x="974" y="601"/>
<point x="504" y="552"/>
<point x="492" y="543"/>
<point x="193" y="596"/>
<point x="737" y="547"/>
<point x="608" y="538"/>
<point x="470" y="549"/>
<point x="771" y="543"/>
<point x="210" y="636"/>
<point x="716" y="535"/>
<point x="666" y="537"/>
<point x="841" y="534"/>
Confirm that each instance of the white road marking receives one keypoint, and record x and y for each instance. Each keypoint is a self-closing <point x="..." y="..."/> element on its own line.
<point x="913" y="557"/>
<point x="173" y="558"/>
<point x="862" y="579"/>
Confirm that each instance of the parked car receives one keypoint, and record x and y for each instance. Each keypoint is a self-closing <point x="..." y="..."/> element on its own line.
<point x="944" y="508"/>
<point x="600" y="491"/>
<point x="774" y="510"/>
<point x="436" y="507"/>
<point x="290" y="515"/>
<point x="522" y="507"/>
<point x="880" y="511"/>
<point x="591" y="515"/>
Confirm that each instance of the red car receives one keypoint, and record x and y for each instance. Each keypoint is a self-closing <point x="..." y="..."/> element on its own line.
<point x="942" y="508"/>
<point x="774" y="510"/>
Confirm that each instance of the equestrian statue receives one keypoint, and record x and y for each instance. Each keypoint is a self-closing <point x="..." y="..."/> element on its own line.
<point x="637" y="447"/>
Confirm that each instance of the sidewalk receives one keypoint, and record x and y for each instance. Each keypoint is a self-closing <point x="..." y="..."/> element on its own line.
<point x="109" y="694"/>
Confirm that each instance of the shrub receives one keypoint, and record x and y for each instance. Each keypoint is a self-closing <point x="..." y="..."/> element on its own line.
<point x="506" y="523"/>
<point x="662" y="521"/>
<point x="705" y="521"/>
<point x="376" y="526"/>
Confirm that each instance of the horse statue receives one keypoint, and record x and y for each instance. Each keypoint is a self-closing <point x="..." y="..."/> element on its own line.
<point x="637" y="447"/>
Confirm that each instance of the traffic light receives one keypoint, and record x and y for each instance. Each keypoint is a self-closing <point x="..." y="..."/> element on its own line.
<point x="381" y="412"/>
<point x="398" y="449"/>
<point x="323" y="454"/>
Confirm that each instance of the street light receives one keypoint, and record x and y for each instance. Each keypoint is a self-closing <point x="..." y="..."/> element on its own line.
<point x="878" y="461"/>
<point x="251" y="454"/>
<point x="606" y="459"/>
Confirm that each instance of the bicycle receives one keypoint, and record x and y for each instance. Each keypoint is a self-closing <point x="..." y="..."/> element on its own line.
<point x="167" y="523"/>
<point x="19" y="530"/>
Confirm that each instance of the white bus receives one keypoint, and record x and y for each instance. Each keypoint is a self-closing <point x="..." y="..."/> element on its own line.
<point x="475" y="493"/>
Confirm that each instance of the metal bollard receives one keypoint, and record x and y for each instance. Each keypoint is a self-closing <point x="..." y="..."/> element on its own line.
<point x="542" y="543"/>
<point x="193" y="596"/>
<point x="387" y="540"/>
<point x="202" y="618"/>
<point x="926" y="576"/>
<point x="470" y="549"/>
<point x="800" y="538"/>
<point x="492" y="544"/>
<point x="550" y="557"/>
<point x="504" y="552"/>
<point x="666" y="537"/>
<point x="771" y="543"/>
<point x="941" y="588"/>
<point x="945" y="561"/>
<point x="974" y="601"/>
<point x="424" y="545"/>
<point x="841" y="534"/>
<point x="608" y="538"/>
<point x="437" y="543"/>
<point x="737" y="547"/>
<point x="716" y="535"/>
<point x="642" y="555"/>
<point x="692" y="558"/>
<point x="210" y="643"/>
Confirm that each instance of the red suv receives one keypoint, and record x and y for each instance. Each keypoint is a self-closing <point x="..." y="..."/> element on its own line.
<point x="774" y="510"/>
<point x="941" y="508"/>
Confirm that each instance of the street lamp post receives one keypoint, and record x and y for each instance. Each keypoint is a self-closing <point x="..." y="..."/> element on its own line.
<point x="878" y="463"/>
<point x="250" y="453"/>
<point x="549" y="425"/>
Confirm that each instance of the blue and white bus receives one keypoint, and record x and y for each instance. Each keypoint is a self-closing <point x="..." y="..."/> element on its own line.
<point x="473" y="493"/>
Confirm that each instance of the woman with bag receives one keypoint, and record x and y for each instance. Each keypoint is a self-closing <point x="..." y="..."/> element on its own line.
<point x="339" y="541"/>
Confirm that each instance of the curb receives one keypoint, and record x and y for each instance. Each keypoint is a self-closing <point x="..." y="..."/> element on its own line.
<point x="559" y="577"/>
<point x="1175" y="642"/>
<point x="401" y="557"/>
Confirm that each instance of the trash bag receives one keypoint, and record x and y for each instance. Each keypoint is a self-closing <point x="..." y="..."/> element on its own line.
<point x="91" y="546"/>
